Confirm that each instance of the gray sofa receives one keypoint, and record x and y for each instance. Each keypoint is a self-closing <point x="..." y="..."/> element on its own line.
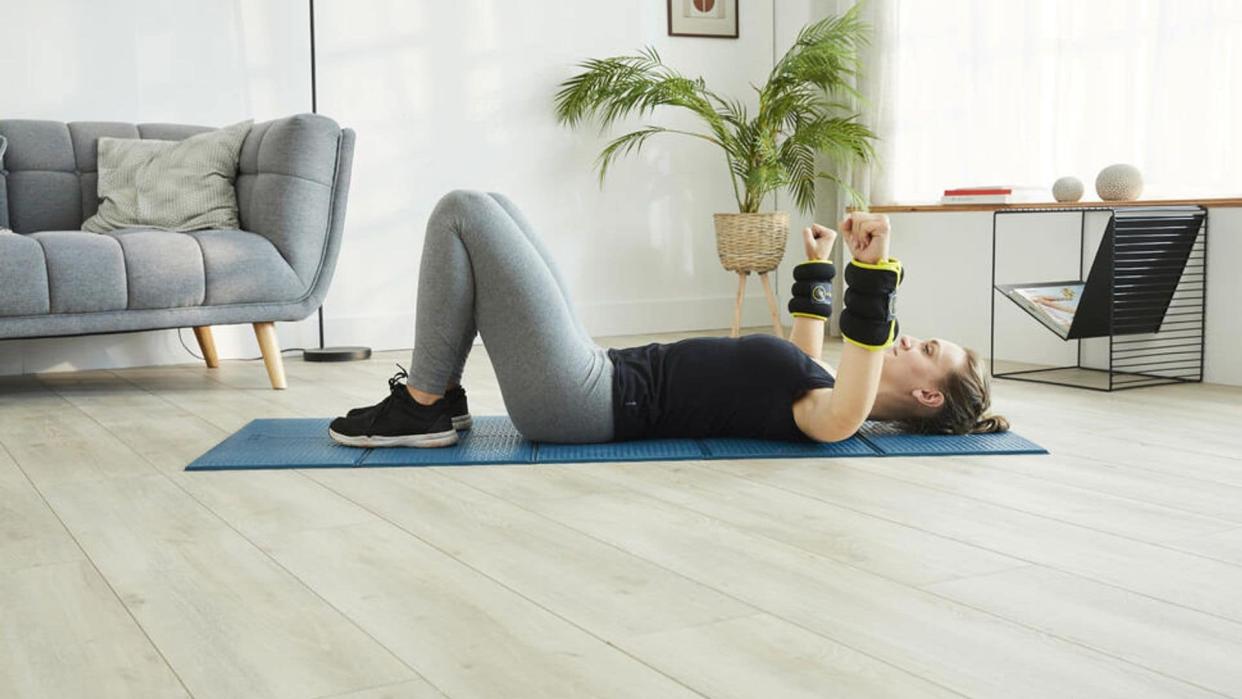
<point x="56" y="279"/>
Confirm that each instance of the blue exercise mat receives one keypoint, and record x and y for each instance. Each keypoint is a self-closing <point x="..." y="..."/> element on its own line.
<point x="638" y="450"/>
<point x="285" y="443"/>
<point x="741" y="448"/>
<point x="889" y="441"/>
<point x="304" y="443"/>
<point x="491" y="439"/>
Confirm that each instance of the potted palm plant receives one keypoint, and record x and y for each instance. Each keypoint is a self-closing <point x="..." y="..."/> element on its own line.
<point x="800" y="114"/>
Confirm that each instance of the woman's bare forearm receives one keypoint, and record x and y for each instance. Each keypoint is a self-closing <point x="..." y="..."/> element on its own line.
<point x="858" y="375"/>
<point x="858" y="381"/>
<point x="808" y="335"/>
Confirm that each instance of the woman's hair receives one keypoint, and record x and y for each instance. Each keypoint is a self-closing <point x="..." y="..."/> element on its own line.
<point x="967" y="396"/>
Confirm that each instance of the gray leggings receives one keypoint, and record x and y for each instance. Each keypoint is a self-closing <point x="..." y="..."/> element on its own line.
<point x="484" y="269"/>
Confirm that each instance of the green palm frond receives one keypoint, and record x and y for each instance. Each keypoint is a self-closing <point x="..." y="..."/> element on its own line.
<point x="840" y="137"/>
<point x="614" y="88"/>
<point x="857" y="200"/>
<point x="802" y="112"/>
<point x="800" y="159"/>
<point x="632" y="141"/>
<point x="825" y="54"/>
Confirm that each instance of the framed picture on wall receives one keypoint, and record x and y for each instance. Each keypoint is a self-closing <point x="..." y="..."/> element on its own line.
<point x="713" y="18"/>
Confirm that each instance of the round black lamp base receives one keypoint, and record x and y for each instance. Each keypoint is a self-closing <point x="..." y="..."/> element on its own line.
<point x="336" y="354"/>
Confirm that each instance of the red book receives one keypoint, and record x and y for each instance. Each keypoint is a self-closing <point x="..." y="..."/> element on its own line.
<point x="978" y="190"/>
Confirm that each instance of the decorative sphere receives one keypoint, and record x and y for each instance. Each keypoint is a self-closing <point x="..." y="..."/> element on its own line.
<point x="1118" y="182"/>
<point x="1067" y="189"/>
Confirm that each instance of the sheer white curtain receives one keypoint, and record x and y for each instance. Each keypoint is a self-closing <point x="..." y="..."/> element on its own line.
<point x="877" y="83"/>
<point x="878" y="111"/>
<point x="1024" y="91"/>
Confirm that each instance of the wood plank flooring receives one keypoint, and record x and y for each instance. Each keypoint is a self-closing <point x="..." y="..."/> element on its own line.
<point x="1112" y="567"/>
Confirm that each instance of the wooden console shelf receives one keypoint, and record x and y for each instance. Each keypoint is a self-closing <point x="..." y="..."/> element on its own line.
<point x="902" y="208"/>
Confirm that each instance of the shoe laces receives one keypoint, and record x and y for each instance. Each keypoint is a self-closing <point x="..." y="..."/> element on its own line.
<point x="396" y="379"/>
<point x="394" y="385"/>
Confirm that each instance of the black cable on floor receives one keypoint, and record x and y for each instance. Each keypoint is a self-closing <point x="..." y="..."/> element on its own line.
<point x="246" y="359"/>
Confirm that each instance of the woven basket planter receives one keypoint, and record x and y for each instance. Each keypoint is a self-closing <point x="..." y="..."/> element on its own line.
<point x="751" y="242"/>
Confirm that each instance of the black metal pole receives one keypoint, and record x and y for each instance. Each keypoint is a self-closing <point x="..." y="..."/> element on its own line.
<point x="1118" y="232"/>
<point x="1082" y="255"/>
<point x="992" y="296"/>
<point x="326" y="354"/>
<point x="314" y="96"/>
<point x="1203" y="301"/>
<point x="315" y="110"/>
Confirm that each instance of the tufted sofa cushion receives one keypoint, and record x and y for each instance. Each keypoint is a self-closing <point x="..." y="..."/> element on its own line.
<point x="244" y="267"/>
<point x="44" y="193"/>
<point x="284" y="186"/>
<point x="131" y="269"/>
<point x="85" y="273"/>
<point x="23" y="276"/>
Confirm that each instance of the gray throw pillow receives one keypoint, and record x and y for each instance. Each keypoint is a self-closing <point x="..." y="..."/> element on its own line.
<point x="174" y="185"/>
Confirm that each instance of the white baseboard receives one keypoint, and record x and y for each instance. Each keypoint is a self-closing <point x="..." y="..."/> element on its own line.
<point x="396" y="331"/>
<point x="385" y="332"/>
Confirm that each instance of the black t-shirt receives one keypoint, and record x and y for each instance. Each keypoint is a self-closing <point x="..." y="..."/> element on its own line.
<point x="712" y="387"/>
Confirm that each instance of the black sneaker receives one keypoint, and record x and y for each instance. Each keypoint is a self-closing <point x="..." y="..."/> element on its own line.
<point x="455" y="404"/>
<point x="396" y="421"/>
<point x="454" y="400"/>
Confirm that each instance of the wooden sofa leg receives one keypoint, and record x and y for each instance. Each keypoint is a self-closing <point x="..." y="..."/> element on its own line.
<point x="270" y="347"/>
<point x="207" y="344"/>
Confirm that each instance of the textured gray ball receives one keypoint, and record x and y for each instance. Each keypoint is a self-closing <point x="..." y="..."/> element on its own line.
<point x="1119" y="182"/>
<point x="1067" y="189"/>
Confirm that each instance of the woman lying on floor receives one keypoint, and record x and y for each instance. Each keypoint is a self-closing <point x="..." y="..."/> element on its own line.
<point x="485" y="270"/>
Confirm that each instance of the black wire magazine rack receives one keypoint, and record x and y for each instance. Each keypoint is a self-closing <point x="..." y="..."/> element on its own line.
<point x="1145" y="293"/>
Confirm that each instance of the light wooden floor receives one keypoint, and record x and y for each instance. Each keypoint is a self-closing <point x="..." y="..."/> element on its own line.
<point x="1111" y="568"/>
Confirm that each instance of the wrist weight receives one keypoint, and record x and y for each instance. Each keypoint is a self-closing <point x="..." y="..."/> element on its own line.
<point x="869" y="318"/>
<point x="812" y="290"/>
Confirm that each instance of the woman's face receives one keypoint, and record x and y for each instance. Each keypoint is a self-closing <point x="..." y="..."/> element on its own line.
<point x="919" y="367"/>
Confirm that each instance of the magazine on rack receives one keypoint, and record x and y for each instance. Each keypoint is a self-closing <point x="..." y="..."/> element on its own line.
<point x="1051" y="303"/>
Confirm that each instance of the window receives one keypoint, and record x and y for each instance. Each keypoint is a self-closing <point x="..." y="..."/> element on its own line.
<point x="1026" y="91"/>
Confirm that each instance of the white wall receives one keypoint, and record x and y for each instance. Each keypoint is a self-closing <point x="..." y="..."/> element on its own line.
<point x="449" y="95"/>
<point x="443" y="95"/>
